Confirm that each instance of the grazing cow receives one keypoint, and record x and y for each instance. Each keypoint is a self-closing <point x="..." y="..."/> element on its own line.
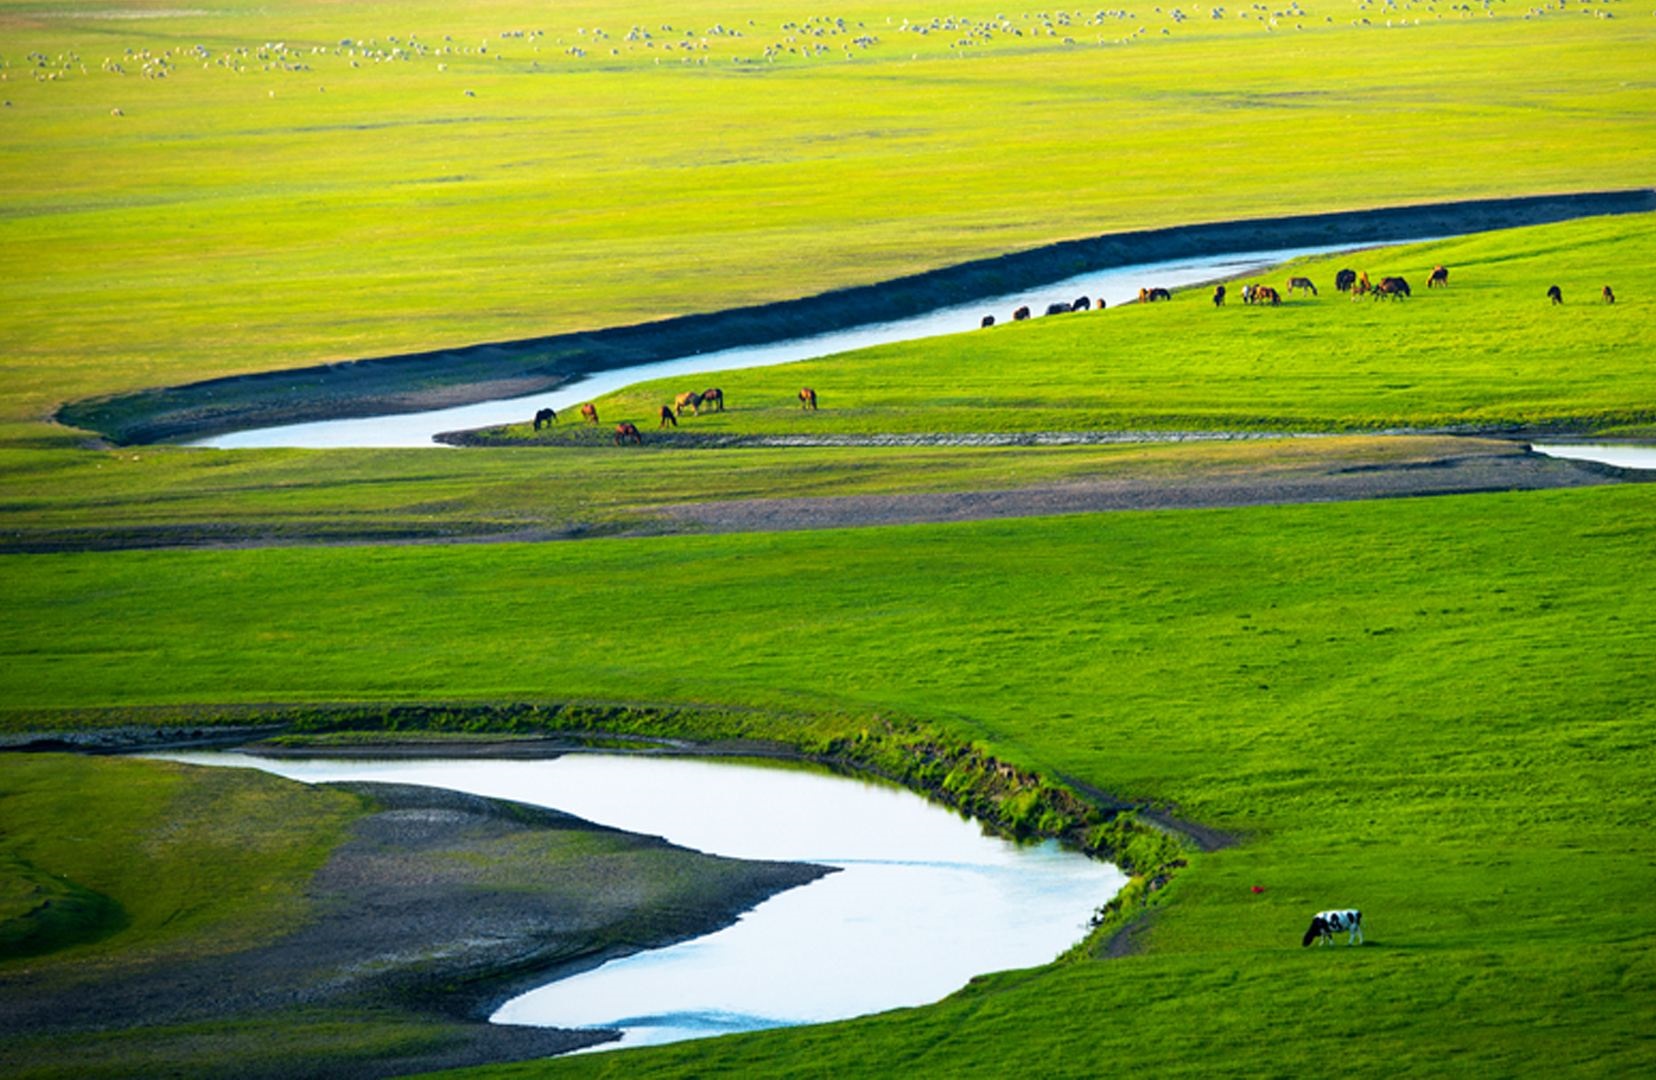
<point x="1344" y="280"/>
<point x="1301" y="283"/>
<point x="1392" y="288"/>
<point x="1325" y="924"/>
<point x="713" y="397"/>
<point x="1152" y="295"/>
<point x="1021" y="314"/>
<point x="667" y="417"/>
<point x="1057" y="309"/>
<point x="807" y="399"/>
<point x="1440" y="276"/>
<point x="628" y="430"/>
<point x="988" y="321"/>
<point x="589" y="412"/>
<point x="1219" y="296"/>
<point x="1265" y="294"/>
<point x="1609" y="297"/>
<point x="1082" y="304"/>
<point x="688" y="400"/>
<point x="1555" y="294"/>
<point x="545" y="418"/>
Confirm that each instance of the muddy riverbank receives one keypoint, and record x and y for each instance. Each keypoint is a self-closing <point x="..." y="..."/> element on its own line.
<point x="438" y="906"/>
<point x="473" y="373"/>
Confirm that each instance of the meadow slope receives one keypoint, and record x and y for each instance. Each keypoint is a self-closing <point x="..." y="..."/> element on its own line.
<point x="1437" y="710"/>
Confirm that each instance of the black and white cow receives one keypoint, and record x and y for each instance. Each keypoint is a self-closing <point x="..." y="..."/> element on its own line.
<point x="1325" y="924"/>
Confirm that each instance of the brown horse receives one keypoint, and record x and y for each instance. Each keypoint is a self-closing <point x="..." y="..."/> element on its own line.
<point x="589" y="412"/>
<point x="1021" y="314"/>
<point x="1392" y="288"/>
<point x="1609" y="297"/>
<point x="714" y="397"/>
<point x="628" y="430"/>
<point x="545" y="417"/>
<point x="1361" y="285"/>
<point x="807" y="399"/>
<point x="1440" y="276"/>
<point x="1301" y="283"/>
<point x="667" y="417"/>
<point x="688" y="400"/>
<point x="1265" y="294"/>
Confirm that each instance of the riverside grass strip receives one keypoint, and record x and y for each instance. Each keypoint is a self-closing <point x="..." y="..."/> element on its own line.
<point x="1436" y="710"/>
<point x="309" y="207"/>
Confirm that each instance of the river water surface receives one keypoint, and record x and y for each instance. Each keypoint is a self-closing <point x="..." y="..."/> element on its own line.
<point x="1116" y="286"/>
<point x="1622" y="455"/>
<point x="923" y="900"/>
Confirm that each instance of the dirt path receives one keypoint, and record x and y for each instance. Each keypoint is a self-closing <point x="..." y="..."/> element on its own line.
<point x="1476" y="466"/>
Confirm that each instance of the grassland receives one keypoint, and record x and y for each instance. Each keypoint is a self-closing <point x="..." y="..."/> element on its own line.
<point x="1435" y="709"/>
<point x="1488" y="352"/>
<point x="249" y="213"/>
<point x="1438" y="710"/>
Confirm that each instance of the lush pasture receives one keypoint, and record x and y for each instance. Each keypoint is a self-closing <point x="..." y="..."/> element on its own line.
<point x="1488" y="351"/>
<point x="249" y="212"/>
<point x="1435" y="709"/>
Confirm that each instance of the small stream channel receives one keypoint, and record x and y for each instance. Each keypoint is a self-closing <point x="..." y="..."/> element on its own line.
<point x="1116" y="286"/>
<point x="924" y="900"/>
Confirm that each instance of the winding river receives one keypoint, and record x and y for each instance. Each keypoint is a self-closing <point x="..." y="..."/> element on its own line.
<point x="924" y="900"/>
<point x="1116" y="286"/>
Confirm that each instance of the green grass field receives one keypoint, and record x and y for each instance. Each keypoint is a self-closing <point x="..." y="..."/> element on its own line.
<point x="237" y="220"/>
<point x="1437" y="710"/>
<point x="1489" y="351"/>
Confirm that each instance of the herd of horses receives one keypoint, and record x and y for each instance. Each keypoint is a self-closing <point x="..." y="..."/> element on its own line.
<point x="712" y="399"/>
<point x="1356" y="284"/>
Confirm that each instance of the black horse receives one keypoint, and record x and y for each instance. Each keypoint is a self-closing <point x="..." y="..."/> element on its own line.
<point x="1081" y="304"/>
<point x="1218" y="296"/>
<point x="1555" y="294"/>
<point x="545" y="417"/>
<point x="1344" y="280"/>
<point x="1021" y="314"/>
<point x="988" y="321"/>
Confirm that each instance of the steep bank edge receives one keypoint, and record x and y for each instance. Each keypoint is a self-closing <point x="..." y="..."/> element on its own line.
<point x="468" y="374"/>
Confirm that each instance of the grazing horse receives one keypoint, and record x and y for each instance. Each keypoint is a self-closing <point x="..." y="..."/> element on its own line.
<point x="545" y="417"/>
<point x="1150" y="296"/>
<point x="1609" y="297"/>
<point x="1392" y="288"/>
<point x="1361" y="285"/>
<point x="1325" y="924"/>
<point x="589" y="412"/>
<point x="1344" y="280"/>
<point x="1250" y="293"/>
<point x="1301" y="283"/>
<point x="1057" y="309"/>
<point x="713" y="397"/>
<point x="1082" y="304"/>
<point x="1265" y="294"/>
<point x="988" y="321"/>
<point x="1555" y="294"/>
<point x="667" y="417"/>
<point x="807" y="399"/>
<point x="688" y="400"/>
<point x="628" y="430"/>
<point x="1219" y="296"/>
<point x="1021" y="314"/>
<point x="1440" y="276"/>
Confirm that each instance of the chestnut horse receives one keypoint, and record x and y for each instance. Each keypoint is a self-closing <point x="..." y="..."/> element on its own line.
<point x="807" y="399"/>
<point x="715" y="397"/>
<point x="688" y="400"/>
<point x="628" y="430"/>
<point x="589" y="411"/>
